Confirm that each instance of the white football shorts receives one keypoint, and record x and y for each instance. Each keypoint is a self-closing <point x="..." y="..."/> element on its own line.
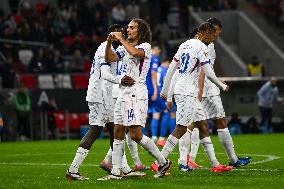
<point x="213" y="107"/>
<point x="189" y="110"/>
<point x="131" y="112"/>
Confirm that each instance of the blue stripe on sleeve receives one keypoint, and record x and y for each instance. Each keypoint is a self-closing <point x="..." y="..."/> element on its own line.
<point x="118" y="54"/>
<point x="105" y="64"/>
<point x="206" y="62"/>
<point x="141" y="49"/>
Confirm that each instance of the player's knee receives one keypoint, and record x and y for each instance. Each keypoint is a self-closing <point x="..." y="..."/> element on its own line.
<point x="220" y="123"/>
<point x="179" y="131"/>
<point x="94" y="132"/>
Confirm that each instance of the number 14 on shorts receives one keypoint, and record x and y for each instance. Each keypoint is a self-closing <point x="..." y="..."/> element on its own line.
<point x="130" y="115"/>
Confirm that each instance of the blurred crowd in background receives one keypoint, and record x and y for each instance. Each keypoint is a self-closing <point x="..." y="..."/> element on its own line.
<point x="61" y="36"/>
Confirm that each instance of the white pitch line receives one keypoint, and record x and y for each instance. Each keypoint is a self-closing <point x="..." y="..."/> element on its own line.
<point x="268" y="158"/>
<point x="90" y="165"/>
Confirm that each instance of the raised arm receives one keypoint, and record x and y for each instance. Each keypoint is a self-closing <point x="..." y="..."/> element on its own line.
<point x="137" y="53"/>
<point x="110" y="56"/>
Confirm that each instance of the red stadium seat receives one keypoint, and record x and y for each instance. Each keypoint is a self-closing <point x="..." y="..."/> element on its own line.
<point x="80" y="81"/>
<point x="60" y="120"/>
<point x="84" y="118"/>
<point x="74" y="121"/>
<point x="87" y="66"/>
<point x="29" y="81"/>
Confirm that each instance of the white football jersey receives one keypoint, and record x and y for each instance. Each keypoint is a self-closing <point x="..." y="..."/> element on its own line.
<point x="191" y="55"/>
<point x="137" y="69"/>
<point x="118" y="72"/>
<point x="96" y="83"/>
<point x="210" y="89"/>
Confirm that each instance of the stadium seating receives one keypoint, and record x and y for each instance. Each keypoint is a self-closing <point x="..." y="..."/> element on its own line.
<point x="63" y="81"/>
<point x="80" y="81"/>
<point x="29" y="81"/>
<point x="74" y="121"/>
<point x="45" y="82"/>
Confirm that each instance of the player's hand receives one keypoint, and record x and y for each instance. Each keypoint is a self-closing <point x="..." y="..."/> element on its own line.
<point x="163" y="96"/>
<point x="118" y="35"/>
<point x="169" y="106"/>
<point x="154" y="96"/>
<point x="227" y="88"/>
<point x="111" y="38"/>
<point x="127" y="81"/>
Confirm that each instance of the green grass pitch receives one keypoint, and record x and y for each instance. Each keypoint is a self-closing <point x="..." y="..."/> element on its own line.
<point x="43" y="165"/>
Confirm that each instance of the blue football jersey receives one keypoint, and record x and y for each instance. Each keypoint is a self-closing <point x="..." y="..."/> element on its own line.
<point x="154" y="64"/>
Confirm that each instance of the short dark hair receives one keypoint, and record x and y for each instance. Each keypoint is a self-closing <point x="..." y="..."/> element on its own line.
<point x="214" y="21"/>
<point x="144" y="31"/>
<point x="206" y="28"/>
<point x="114" y="28"/>
<point x="155" y="44"/>
<point x="193" y="33"/>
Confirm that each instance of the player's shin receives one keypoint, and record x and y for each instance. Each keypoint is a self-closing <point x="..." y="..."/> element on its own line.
<point x="118" y="150"/>
<point x="150" y="146"/>
<point x="132" y="145"/>
<point x="195" y="141"/>
<point x="227" y="142"/>
<point x="184" y="144"/>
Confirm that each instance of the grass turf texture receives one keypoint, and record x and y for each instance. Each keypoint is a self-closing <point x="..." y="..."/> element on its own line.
<point x="43" y="165"/>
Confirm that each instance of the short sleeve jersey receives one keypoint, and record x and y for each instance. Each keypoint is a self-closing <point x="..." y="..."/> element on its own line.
<point x="96" y="83"/>
<point x="136" y="68"/>
<point x="210" y="89"/>
<point x="190" y="55"/>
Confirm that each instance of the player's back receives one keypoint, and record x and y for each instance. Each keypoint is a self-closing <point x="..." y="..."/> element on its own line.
<point x="190" y="54"/>
<point x="161" y="74"/>
<point x="154" y="63"/>
<point x="94" y="92"/>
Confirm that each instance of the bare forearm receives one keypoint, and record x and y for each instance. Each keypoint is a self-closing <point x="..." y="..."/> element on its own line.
<point x="201" y="81"/>
<point x="110" y="56"/>
<point x="132" y="50"/>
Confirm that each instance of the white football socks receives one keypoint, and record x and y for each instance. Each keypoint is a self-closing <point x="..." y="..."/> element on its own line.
<point x="227" y="142"/>
<point x="184" y="144"/>
<point x="195" y="141"/>
<point x="209" y="149"/>
<point x="169" y="146"/>
<point x="132" y="145"/>
<point x="117" y="153"/>
<point x="125" y="167"/>
<point x="81" y="154"/>
<point x="108" y="156"/>
<point x="153" y="150"/>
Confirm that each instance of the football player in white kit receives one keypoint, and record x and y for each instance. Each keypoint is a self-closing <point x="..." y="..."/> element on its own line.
<point x="212" y="105"/>
<point x="131" y="105"/>
<point x="99" y="104"/>
<point x="191" y="56"/>
<point x="110" y="73"/>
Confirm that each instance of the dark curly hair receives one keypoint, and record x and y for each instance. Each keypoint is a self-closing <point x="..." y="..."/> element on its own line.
<point x="206" y="28"/>
<point x="144" y="31"/>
